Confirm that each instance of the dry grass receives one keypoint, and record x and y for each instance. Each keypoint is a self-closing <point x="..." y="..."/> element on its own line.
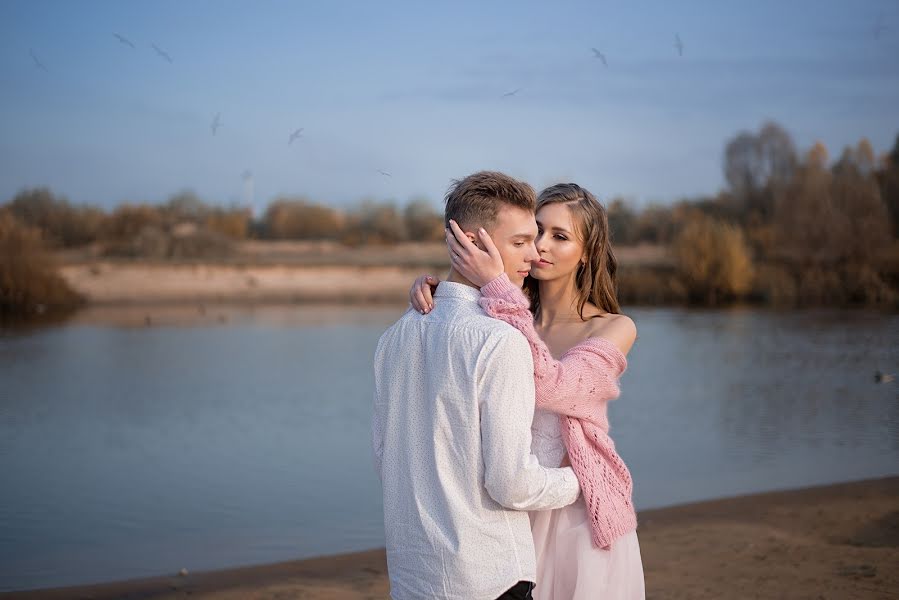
<point x="29" y="283"/>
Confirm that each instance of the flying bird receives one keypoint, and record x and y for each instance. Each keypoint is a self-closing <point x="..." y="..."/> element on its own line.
<point x="295" y="136"/>
<point x="600" y="56"/>
<point x="679" y="45"/>
<point x="216" y="123"/>
<point x="37" y="62"/>
<point x="512" y="93"/>
<point x="384" y="173"/>
<point x="124" y="40"/>
<point x="162" y="53"/>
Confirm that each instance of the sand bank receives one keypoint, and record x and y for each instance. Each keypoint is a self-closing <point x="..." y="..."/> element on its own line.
<point x="275" y="272"/>
<point x="114" y="283"/>
<point x="839" y="541"/>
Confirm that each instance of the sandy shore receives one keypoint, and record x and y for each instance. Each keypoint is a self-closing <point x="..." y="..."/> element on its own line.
<point x="112" y="283"/>
<point x="839" y="541"/>
<point x="275" y="272"/>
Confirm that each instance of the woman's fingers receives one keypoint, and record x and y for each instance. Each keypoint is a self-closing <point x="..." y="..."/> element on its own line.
<point x="427" y="290"/>
<point x="420" y="294"/>
<point x="418" y="300"/>
<point x="479" y="266"/>
<point x="453" y="245"/>
<point x="460" y="237"/>
<point x="489" y="246"/>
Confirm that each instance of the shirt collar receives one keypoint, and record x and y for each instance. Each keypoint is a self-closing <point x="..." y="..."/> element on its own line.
<point x="450" y="289"/>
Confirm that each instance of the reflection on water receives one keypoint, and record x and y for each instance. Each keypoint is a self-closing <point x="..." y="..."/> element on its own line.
<point x="725" y="402"/>
<point x="209" y="437"/>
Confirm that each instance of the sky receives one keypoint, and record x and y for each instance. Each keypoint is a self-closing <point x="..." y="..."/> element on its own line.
<point x="425" y="92"/>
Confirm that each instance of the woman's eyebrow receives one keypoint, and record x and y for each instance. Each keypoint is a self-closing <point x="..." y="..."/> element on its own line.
<point x="563" y="230"/>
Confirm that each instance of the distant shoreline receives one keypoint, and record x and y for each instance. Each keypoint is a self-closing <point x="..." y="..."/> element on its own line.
<point x="838" y="540"/>
<point x="272" y="273"/>
<point x="149" y="284"/>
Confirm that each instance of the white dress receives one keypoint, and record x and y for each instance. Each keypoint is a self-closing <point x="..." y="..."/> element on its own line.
<point x="569" y="567"/>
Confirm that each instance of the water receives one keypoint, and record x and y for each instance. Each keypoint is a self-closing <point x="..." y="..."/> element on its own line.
<point x="242" y="436"/>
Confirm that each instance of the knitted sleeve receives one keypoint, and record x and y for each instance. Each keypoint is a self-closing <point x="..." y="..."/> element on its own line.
<point x="573" y="385"/>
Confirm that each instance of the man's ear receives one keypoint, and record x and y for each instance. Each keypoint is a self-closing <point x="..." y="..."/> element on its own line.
<point x="474" y="240"/>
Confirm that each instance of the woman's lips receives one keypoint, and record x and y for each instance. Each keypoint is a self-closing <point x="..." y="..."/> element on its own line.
<point x="542" y="263"/>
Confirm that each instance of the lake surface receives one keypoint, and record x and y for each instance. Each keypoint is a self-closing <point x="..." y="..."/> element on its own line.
<point x="133" y="447"/>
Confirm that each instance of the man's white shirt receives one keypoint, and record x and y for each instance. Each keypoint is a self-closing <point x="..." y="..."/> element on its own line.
<point x="451" y="434"/>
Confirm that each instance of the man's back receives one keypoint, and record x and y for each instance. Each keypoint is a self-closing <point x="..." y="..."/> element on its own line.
<point x="453" y="408"/>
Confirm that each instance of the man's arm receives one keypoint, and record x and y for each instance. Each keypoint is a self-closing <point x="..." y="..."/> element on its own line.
<point x="377" y="437"/>
<point x="579" y="382"/>
<point x="512" y="475"/>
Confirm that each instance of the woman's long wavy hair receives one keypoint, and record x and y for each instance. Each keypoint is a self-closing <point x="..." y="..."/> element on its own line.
<point x="596" y="279"/>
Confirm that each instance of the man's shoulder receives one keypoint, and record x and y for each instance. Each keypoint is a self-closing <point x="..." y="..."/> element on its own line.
<point x="467" y="324"/>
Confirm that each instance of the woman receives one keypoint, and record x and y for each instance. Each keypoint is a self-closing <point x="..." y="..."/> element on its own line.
<point x="579" y="342"/>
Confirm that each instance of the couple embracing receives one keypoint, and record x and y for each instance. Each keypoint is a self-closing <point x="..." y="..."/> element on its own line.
<point x="490" y="428"/>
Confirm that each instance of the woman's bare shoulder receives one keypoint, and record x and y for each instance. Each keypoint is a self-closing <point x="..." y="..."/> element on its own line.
<point x="618" y="329"/>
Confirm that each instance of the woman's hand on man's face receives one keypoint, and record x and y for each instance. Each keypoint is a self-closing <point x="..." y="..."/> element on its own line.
<point x="477" y="266"/>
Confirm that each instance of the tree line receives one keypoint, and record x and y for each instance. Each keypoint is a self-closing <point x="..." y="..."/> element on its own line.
<point x="791" y="227"/>
<point x="138" y="229"/>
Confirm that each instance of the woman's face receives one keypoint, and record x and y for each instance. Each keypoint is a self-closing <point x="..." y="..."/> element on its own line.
<point x="559" y="246"/>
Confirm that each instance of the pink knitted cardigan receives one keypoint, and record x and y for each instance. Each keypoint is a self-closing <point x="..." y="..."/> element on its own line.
<point x="579" y="387"/>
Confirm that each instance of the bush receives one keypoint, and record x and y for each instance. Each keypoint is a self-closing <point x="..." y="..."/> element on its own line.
<point x="776" y="285"/>
<point x="819" y="287"/>
<point x="622" y="222"/>
<point x="233" y="224"/>
<point x="61" y="223"/>
<point x="712" y="260"/>
<point x="299" y="219"/>
<point x="184" y="242"/>
<point x="423" y="224"/>
<point x="645" y="285"/>
<point x="865" y="286"/>
<point x="29" y="283"/>
<point x="129" y="220"/>
<point x="375" y="223"/>
<point x="199" y="245"/>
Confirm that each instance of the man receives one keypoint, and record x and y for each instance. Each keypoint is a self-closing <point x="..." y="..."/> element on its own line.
<point x="454" y="401"/>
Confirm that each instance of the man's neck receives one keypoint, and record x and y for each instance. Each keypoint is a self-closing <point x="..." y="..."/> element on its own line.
<point x="454" y="277"/>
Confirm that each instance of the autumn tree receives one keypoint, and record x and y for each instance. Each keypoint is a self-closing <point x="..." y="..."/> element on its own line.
<point x="423" y="223"/>
<point x="375" y="223"/>
<point x="756" y="166"/>
<point x="29" y="282"/>
<point x="622" y="222"/>
<point x="299" y="218"/>
<point x="888" y="181"/>
<point x="62" y="223"/>
<point x="856" y="196"/>
<point x="713" y="260"/>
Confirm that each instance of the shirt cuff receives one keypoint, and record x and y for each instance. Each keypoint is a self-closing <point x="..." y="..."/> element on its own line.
<point x="572" y="487"/>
